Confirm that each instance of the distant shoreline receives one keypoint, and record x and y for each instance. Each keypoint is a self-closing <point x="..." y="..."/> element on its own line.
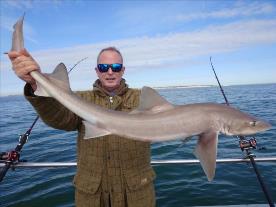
<point x="183" y="86"/>
<point x="171" y="87"/>
<point x="205" y="86"/>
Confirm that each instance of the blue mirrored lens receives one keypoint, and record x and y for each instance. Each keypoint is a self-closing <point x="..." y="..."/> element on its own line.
<point x="116" y="67"/>
<point x="103" y="68"/>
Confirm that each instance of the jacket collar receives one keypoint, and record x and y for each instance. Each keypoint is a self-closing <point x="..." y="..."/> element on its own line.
<point x="122" y="89"/>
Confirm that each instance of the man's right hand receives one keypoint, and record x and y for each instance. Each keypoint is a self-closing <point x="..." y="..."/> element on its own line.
<point x="22" y="64"/>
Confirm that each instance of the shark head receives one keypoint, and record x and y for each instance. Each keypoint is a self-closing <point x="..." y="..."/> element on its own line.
<point x="246" y="125"/>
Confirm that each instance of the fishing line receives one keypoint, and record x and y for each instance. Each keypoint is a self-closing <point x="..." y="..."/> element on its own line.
<point x="247" y="145"/>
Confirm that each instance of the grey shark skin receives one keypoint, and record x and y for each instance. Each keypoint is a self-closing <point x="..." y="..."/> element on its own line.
<point x="154" y="120"/>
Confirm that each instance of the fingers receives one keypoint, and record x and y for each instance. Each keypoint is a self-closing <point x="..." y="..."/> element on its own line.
<point x="25" y="52"/>
<point x="22" y="67"/>
<point x="15" y="54"/>
<point x="22" y="64"/>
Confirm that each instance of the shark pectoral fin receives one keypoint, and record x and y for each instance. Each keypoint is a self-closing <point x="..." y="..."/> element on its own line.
<point x="92" y="131"/>
<point x="206" y="152"/>
<point x="59" y="77"/>
<point x="151" y="102"/>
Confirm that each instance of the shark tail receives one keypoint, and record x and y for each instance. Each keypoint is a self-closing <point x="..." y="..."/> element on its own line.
<point x="17" y="36"/>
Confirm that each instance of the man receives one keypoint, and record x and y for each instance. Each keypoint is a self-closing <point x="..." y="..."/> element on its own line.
<point x="111" y="171"/>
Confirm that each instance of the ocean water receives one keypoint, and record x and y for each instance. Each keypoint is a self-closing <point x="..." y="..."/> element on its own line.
<point x="176" y="185"/>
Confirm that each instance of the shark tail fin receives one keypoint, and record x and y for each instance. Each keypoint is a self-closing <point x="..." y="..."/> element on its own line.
<point x="59" y="77"/>
<point x="17" y="36"/>
<point x="206" y="152"/>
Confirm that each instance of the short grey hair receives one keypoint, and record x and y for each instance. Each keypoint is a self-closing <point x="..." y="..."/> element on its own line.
<point x="113" y="49"/>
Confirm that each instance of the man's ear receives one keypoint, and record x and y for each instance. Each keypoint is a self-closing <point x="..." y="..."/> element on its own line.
<point x="97" y="71"/>
<point x="123" y="70"/>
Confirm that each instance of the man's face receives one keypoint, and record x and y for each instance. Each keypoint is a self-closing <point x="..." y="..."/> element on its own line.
<point x="110" y="80"/>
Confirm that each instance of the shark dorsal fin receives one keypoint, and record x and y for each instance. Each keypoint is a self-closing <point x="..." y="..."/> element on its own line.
<point x="152" y="102"/>
<point x="59" y="77"/>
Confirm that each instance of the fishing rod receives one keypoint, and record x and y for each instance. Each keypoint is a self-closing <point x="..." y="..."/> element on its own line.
<point x="247" y="145"/>
<point x="12" y="157"/>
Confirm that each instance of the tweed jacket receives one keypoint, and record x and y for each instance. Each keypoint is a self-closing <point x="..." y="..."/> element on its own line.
<point x="111" y="164"/>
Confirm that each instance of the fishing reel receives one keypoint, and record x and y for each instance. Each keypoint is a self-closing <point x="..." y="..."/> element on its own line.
<point x="247" y="144"/>
<point x="11" y="156"/>
<point x="14" y="155"/>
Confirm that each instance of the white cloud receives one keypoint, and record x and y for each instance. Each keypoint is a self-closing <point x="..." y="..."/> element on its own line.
<point x="19" y="4"/>
<point x="239" y="10"/>
<point x="151" y="51"/>
<point x="160" y="51"/>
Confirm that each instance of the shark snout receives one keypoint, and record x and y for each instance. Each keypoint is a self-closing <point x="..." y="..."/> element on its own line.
<point x="263" y="125"/>
<point x="248" y="127"/>
<point x="255" y="127"/>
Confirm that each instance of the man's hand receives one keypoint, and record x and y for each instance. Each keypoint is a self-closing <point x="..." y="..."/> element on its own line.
<point x="22" y="64"/>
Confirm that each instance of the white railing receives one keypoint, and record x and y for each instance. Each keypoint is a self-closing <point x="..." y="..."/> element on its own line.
<point x="153" y="162"/>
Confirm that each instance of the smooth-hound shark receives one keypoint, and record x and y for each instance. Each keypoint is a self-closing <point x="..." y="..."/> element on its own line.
<point x="154" y="120"/>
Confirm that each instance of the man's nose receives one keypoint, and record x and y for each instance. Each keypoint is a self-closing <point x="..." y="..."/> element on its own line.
<point x="109" y="70"/>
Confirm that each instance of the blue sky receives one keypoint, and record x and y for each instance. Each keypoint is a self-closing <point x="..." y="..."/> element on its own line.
<point x="164" y="43"/>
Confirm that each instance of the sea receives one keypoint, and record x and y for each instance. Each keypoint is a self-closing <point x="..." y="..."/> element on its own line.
<point x="176" y="185"/>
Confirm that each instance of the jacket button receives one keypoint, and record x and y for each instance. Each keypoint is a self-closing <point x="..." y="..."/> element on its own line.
<point x="144" y="181"/>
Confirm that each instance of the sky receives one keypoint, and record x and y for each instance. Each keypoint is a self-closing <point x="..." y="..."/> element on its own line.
<point x="164" y="43"/>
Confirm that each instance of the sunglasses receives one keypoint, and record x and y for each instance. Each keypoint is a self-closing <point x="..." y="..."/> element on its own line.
<point x="115" y="67"/>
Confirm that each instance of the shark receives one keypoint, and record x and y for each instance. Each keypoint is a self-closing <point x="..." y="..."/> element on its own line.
<point x="154" y="120"/>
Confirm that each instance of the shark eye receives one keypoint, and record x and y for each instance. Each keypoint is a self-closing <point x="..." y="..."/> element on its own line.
<point x="252" y="123"/>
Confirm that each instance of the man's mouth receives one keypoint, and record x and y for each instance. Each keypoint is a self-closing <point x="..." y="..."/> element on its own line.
<point x="110" y="79"/>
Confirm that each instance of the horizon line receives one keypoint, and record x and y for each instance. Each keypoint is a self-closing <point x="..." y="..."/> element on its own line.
<point x="166" y="87"/>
